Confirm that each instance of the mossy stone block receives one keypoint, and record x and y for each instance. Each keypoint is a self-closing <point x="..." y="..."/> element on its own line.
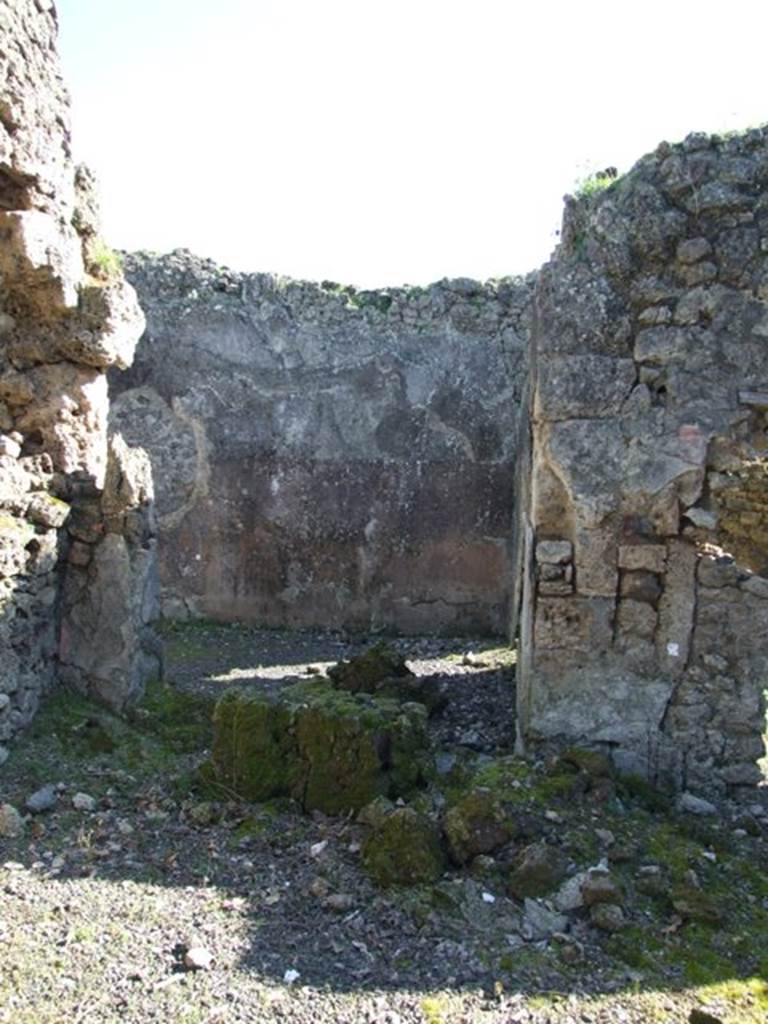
<point x="477" y="823"/>
<point x="404" y="850"/>
<point x="331" y="750"/>
<point x="364" y="673"/>
<point x="254" y="746"/>
<point x="382" y="671"/>
<point x="540" y="869"/>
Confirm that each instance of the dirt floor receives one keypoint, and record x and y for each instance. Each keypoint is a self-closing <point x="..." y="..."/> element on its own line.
<point x="136" y="895"/>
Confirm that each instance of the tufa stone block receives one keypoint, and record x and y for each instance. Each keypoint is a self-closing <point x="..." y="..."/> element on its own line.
<point x="554" y="552"/>
<point x="651" y="557"/>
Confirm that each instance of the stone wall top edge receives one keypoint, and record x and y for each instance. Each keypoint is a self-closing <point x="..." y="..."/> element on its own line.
<point x="181" y="268"/>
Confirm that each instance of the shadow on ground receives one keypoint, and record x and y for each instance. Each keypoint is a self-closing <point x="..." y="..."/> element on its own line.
<point x="101" y="905"/>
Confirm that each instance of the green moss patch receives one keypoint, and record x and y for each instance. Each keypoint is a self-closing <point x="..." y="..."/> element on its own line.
<point x="477" y="823"/>
<point x="404" y="850"/>
<point x="181" y="719"/>
<point x="328" y="749"/>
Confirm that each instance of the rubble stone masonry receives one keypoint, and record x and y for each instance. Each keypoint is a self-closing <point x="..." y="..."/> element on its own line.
<point x="72" y="571"/>
<point x="643" y="515"/>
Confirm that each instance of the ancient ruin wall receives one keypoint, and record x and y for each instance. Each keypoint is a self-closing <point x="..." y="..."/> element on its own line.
<point x="325" y="456"/>
<point x="75" y="559"/>
<point x="645" y="608"/>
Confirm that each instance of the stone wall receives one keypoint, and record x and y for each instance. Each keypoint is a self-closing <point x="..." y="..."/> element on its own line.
<point x="645" y="603"/>
<point x="326" y="456"/>
<point x="65" y="316"/>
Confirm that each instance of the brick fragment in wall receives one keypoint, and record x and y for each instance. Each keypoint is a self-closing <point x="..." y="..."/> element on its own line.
<point x="676" y="607"/>
<point x="756" y="585"/>
<point x="555" y="588"/>
<point x="596" y="563"/>
<point x="693" y="249"/>
<point x="652" y="557"/>
<point x="714" y="571"/>
<point x="550" y="572"/>
<point x="574" y="622"/>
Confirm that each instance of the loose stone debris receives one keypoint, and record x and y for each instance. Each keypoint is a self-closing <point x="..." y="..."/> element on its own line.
<point x="163" y="866"/>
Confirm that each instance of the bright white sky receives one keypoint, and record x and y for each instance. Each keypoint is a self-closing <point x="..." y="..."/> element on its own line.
<point x="382" y="141"/>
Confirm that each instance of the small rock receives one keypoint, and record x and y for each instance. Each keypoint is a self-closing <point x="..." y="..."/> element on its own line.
<point x="694" y="905"/>
<point x="339" y="902"/>
<point x="477" y="823"/>
<point x="198" y="958"/>
<point x="404" y="850"/>
<point x="43" y="799"/>
<point x="540" y="922"/>
<point x="695" y="804"/>
<point x="699" y="1015"/>
<point x="471" y="660"/>
<point x="540" y="870"/>
<point x="202" y="814"/>
<point x="319" y="887"/>
<point x="622" y="853"/>
<point x="599" y="887"/>
<point x="374" y="813"/>
<point x="316" y="849"/>
<point x="11" y="822"/>
<point x="471" y="739"/>
<point x="483" y="866"/>
<point x="749" y="824"/>
<point x="4" y="754"/>
<point x="83" y="802"/>
<point x="608" y="917"/>
<point x="606" y="837"/>
<point x="650" y="881"/>
<point x="572" y="953"/>
<point x="9" y="447"/>
<point x="124" y="827"/>
<point x="569" y="896"/>
<point x="291" y="975"/>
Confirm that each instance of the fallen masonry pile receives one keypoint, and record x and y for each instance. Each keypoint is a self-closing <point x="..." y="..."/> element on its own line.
<point x="470" y="829"/>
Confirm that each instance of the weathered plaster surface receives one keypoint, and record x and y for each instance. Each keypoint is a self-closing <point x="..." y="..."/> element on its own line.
<point x="327" y="457"/>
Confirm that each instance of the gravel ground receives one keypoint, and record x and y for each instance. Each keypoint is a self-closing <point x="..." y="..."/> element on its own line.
<point x="149" y="903"/>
